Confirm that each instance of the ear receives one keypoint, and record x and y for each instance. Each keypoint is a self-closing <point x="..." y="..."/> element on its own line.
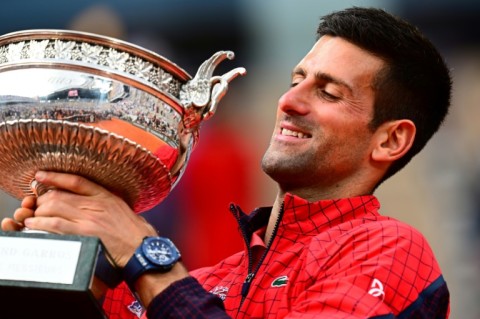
<point x="393" y="140"/>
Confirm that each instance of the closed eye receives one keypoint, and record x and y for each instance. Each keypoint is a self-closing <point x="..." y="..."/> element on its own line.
<point x="328" y="96"/>
<point x="294" y="84"/>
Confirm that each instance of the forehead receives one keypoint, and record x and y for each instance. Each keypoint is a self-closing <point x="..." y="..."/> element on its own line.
<point x="342" y="60"/>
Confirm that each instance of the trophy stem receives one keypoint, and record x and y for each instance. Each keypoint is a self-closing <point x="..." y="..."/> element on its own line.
<point x="38" y="188"/>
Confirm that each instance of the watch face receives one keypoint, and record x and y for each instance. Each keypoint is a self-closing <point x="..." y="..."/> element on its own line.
<point x="160" y="251"/>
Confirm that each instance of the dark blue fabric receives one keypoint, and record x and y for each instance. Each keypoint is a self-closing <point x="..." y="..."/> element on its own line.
<point x="186" y="298"/>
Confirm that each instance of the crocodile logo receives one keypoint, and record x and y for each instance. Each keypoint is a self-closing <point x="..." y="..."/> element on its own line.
<point x="280" y="281"/>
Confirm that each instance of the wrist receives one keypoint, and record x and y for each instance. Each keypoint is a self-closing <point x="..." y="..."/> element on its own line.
<point x="106" y="270"/>
<point x="157" y="255"/>
<point x="151" y="284"/>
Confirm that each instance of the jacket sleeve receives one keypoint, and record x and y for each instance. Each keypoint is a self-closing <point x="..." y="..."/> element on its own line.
<point x="385" y="271"/>
<point x="340" y="299"/>
<point x="186" y="298"/>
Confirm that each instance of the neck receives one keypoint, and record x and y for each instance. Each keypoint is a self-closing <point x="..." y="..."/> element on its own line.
<point x="351" y="188"/>
<point x="277" y="205"/>
<point x="342" y="189"/>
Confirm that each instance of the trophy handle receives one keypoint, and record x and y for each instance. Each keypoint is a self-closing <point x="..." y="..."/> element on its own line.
<point x="201" y="95"/>
<point x="220" y="88"/>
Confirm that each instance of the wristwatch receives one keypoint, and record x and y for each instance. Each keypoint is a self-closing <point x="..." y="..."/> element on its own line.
<point x="155" y="254"/>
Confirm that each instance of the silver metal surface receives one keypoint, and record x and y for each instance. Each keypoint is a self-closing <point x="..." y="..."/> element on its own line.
<point x="118" y="114"/>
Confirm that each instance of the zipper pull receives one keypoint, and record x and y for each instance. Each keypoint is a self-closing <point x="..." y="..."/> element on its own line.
<point x="246" y="284"/>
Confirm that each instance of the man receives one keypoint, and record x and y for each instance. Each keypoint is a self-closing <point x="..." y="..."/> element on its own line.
<point x="364" y="100"/>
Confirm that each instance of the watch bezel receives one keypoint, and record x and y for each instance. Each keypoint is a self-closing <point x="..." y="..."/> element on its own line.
<point x="174" y="251"/>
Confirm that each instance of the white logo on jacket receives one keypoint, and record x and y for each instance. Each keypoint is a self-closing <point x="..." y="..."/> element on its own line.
<point x="376" y="289"/>
<point x="220" y="291"/>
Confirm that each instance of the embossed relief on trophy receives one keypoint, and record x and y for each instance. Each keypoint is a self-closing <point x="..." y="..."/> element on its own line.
<point x="118" y="114"/>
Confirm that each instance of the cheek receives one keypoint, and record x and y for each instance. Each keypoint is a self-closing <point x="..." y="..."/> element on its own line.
<point x="346" y="140"/>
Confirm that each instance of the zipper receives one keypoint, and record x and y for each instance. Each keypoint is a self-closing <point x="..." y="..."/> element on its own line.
<point x="246" y="285"/>
<point x="251" y="274"/>
<point x="246" y="239"/>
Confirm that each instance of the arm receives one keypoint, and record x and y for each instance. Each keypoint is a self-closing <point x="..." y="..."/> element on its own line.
<point x="186" y="299"/>
<point x="383" y="270"/>
<point x="337" y="298"/>
<point x="80" y="207"/>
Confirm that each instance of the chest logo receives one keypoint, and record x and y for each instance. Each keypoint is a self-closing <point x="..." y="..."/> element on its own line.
<point x="136" y="308"/>
<point x="280" y="281"/>
<point x="220" y="291"/>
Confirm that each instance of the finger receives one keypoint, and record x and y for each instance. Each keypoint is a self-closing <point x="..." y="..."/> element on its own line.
<point x="8" y="224"/>
<point x="21" y="214"/>
<point x="73" y="183"/>
<point x="51" y="224"/>
<point x="28" y="202"/>
<point x="58" y="203"/>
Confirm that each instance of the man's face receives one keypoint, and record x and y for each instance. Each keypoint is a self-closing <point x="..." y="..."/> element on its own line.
<point x="321" y="137"/>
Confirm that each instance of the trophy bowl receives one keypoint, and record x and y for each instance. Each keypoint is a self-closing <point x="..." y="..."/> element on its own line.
<point x="113" y="112"/>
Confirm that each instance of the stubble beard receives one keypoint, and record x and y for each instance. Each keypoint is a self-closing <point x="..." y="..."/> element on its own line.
<point x="288" y="168"/>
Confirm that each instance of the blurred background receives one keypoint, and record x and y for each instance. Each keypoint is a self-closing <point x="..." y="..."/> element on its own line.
<point x="438" y="192"/>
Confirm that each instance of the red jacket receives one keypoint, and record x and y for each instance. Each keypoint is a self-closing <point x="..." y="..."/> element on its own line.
<point x="328" y="259"/>
<point x="332" y="259"/>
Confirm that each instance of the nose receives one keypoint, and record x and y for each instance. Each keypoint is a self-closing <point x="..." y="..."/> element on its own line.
<point x="294" y="101"/>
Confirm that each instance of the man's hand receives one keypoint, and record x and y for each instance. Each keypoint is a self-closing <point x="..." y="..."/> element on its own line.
<point x="26" y="210"/>
<point x="78" y="206"/>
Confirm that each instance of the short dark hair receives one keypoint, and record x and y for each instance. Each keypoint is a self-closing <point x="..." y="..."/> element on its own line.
<point x="416" y="82"/>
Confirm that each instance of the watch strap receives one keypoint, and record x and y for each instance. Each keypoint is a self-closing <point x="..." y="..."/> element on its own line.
<point x="136" y="266"/>
<point x="106" y="272"/>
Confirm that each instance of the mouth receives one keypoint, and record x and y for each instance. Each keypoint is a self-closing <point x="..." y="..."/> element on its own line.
<point x="297" y="134"/>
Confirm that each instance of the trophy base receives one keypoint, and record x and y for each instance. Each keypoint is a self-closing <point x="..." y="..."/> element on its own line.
<point x="47" y="276"/>
<point x="29" y="302"/>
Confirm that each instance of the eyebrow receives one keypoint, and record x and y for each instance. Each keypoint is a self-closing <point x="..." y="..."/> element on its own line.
<point x="321" y="76"/>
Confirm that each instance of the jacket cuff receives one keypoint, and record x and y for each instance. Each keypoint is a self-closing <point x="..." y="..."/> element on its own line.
<point x="186" y="298"/>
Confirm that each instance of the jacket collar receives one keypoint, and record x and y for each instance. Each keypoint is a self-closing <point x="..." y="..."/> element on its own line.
<point x="303" y="216"/>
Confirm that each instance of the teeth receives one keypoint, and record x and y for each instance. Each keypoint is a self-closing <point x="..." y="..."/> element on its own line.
<point x="288" y="132"/>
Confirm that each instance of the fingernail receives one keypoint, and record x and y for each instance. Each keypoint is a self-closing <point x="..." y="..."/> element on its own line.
<point x="27" y="222"/>
<point x="40" y="175"/>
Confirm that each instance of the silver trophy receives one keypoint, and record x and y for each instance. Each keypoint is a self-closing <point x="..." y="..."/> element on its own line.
<point x="113" y="112"/>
